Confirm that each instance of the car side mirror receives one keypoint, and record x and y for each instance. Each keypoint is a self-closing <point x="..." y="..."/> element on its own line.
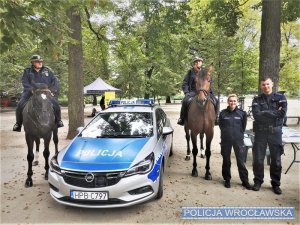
<point x="167" y="130"/>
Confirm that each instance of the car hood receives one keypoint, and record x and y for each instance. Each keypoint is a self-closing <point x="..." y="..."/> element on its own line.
<point x="102" y="154"/>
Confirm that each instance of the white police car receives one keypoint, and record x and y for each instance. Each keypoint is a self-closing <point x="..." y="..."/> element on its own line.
<point x="117" y="160"/>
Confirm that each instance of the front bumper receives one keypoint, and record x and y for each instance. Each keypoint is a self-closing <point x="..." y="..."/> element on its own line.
<point x="121" y="194"/>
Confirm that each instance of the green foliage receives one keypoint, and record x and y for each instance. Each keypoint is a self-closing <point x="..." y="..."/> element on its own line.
<point x="225" y="15"/>
<point x="145" y="46"/>
<point x="290" y="10"/>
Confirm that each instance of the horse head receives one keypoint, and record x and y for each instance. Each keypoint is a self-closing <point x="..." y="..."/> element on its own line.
<point x="41" y="103"/>
<point x="202" y="81"/>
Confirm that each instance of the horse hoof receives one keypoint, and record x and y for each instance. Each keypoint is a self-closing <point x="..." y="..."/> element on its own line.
<point x="28" y="183"/>
<point x="202" y="156"/>
<point x="187" y="158"/>
<point x="208" y="177"/>
<point x="46" y="176"/>
<point x="171" y="153"/>
<point x="194" y="173"/>
<point x="35" y="163"/>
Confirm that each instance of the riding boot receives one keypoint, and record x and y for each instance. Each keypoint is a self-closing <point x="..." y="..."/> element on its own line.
<point x="19" y="117"/>
<point x="181" y="119"/>
<point x="217" y="114"/>
<point x="216" y="105"/>
<point x="58" y="120"/>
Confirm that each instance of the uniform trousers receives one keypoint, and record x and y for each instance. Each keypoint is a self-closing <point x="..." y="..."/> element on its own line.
<point x="238" y="147"/>
<point x="261" y="141"/>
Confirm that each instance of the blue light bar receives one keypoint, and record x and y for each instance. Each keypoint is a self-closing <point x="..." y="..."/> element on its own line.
<point x="131" y="102"/>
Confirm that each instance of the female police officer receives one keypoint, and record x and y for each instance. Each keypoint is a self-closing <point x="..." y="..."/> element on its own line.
<point x="232" y="122"/>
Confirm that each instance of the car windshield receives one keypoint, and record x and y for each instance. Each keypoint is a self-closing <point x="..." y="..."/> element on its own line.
<point x="120" y="124"/>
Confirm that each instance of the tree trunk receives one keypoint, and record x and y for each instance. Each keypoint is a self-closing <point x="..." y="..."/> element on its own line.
<point x="270" y="41"/>
<point x="75" y="94"/>
<point x="168" y="99"/>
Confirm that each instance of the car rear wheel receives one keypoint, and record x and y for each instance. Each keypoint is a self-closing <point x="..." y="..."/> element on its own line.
<point x="161" y="184"/>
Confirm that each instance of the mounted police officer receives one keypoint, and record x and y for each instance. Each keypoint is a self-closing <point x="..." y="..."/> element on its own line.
<point x="189" y="89"/>
<point x="232" y="122"/>
<point x="37" y="73"/>
<point x="269" y="110"/>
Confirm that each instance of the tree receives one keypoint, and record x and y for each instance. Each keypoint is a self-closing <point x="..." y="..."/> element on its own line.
<point x="270" y="41"/>
<point x="75" y="96"/>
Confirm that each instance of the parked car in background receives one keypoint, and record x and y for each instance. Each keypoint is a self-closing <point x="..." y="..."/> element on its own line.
<point x="117" y="160"/>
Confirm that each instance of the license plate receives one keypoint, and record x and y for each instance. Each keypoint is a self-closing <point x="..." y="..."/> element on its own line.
<point x="89" y="195"/>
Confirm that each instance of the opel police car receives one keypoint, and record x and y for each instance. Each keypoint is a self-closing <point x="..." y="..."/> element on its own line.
<point x="116" y="160"/>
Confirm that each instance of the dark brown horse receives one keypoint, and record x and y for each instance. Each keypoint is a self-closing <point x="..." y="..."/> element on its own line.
<point x="201" y="119"/>
<point x="39" y="122"/>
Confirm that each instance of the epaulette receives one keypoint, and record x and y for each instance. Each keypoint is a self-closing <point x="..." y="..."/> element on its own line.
<point x="277" y="93"/>
<point x="47" y="68"/>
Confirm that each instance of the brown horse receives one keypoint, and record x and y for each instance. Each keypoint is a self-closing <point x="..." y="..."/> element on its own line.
<point x="201" y="119"/>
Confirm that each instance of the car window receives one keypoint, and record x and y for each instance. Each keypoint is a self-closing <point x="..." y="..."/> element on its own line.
<point x="120" y="124"/>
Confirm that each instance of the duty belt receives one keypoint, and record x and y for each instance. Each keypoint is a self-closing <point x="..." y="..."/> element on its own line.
<point x="269" y="128"/>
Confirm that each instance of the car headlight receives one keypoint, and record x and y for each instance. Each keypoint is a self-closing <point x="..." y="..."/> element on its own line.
<point x="142" y="167"/>
<point x="54" y="167"/>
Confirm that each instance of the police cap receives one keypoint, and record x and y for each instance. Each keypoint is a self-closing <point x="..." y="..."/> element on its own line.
<point x="196" y="59"/>
<point x="36" y="58"/>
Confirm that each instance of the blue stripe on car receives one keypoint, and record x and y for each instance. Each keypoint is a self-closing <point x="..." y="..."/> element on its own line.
<point x="154" y="174"/>
<point x="102" y="154"/>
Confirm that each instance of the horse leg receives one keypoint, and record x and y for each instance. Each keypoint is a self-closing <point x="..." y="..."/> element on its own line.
<point x="30" y="156"/>
<point x="55" y="140"/>
<point x="46" y="154"/>
<point x="195" y="152"/>
<point x="36" y="155"/>
<point x="187" y="137"/>
<point x="208" y="154"/>
<point x="201" y="145"/>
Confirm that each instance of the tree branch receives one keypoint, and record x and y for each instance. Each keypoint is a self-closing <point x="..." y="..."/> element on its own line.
<point x="98" y="35"/>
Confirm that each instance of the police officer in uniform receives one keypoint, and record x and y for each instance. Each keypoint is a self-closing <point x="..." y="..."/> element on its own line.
<point x="189" y="90"/>
<point x="269" y="110"/>
<point x="37" y="73"/>
<point x="232" y="123"/>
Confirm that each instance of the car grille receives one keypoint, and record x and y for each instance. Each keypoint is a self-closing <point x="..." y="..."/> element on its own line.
<point x="78" y="179"/>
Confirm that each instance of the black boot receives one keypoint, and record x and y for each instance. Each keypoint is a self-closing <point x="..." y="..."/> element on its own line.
<point x="59" y="124"/>
<point x="17" y="127"/>
<point x="217" y="119"/>
<point x="181" y="119"/>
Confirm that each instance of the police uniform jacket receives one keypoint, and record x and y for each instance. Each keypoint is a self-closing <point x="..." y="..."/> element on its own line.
<point x="269" y="111"/>
<point x="44" y="75"/>
<point x="188" y="84"/>
<point x="232" y="124"/>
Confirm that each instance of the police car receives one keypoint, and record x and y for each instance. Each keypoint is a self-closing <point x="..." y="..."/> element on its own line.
<point x="117" y="160"/>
